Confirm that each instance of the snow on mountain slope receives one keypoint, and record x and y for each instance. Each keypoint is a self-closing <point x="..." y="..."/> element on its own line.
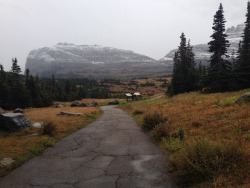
<point x="201" y="50"/>
<point x="69" y="60"/>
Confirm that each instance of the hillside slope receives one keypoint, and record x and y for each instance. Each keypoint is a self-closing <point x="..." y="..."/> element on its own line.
<point x="91" y="61"/>
<point x="201" y="50"/>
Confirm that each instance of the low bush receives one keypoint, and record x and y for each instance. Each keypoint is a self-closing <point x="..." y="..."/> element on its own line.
<point x="178" y="134"/>
<point x="171" y="144"/>
<point x="160" y="131"/>
<point x="115" y="102"/>
<point x="48" y="129"/>
<point x="151" y="120"/>
<point x="247" y="136"/>
<point x="205" y="161"/>
<point x="138" y="112"/>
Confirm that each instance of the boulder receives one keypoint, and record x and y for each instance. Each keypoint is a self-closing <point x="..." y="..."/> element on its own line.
<point x="82" y="105"/>
<point x="243" y="99"/>
<point x="5" y="162"/>
<point x="93" y="103"/>
<point x="38" y="124"/>
<point x="59" y="105"/>
<point x="1" y="111"/>
<point x="70" y="114"/>
<point x="18" y="110"/>
<point x="75" y="104"/>
<point x="13" y="121"/>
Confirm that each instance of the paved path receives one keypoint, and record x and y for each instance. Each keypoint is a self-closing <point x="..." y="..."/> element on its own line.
<point x="111" y="152"/>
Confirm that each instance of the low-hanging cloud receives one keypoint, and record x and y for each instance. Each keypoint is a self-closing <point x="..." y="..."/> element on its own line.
<point x="149" y="27"/>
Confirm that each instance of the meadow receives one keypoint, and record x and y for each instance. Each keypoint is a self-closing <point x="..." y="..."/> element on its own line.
<point x="27" y="143"/>
<point x="206" y="136"/>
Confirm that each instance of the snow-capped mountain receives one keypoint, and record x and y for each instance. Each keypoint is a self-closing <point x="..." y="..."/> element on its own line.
<point x="69" y="60"/>
<point x="201" y="50"/>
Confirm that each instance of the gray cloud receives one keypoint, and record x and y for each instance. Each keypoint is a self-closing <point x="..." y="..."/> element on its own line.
<point x="150" y="27"/>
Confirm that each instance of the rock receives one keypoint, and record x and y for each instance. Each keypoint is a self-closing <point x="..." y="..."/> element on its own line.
<point x="75" y="104"/>
<point x="6" y="162"/>
<point x="18" y="110"/>
<point x="13" y="121"/>
<point x="1" y="111"/>
<point x="70" y="114"/>
<point x="59" y="105"/>
<point x="93" y="103"/>
<point x="38" y="124"/>
<point x="82" y="105"/>
<point x="243" y="99"/>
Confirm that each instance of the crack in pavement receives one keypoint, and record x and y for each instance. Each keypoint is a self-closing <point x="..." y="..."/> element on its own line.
<point x="110" y="152"/>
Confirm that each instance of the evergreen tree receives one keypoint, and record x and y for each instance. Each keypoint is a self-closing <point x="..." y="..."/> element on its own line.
<point x="219" y="71"/>
<point x="184" y="73"/>
<point x="243" y="63"/>
<point x="2" y="73"/>
<point x="15" y="68"/>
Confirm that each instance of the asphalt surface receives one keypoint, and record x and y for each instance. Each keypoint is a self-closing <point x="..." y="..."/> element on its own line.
<point x="110" y="152"/>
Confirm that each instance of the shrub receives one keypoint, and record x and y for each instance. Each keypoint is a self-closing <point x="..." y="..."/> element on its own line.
<point x="138" y="112"/>
<point x="171" y="144"/>
<point x="196" y="124"/>
<point x="152" y="119"/>
<point x="178" y="134"/>
<point x="48" y="129"/>
<point x="205" y="161"/>
<point x="247" y="136"/>
<point x="160" y="131"/>
<point x="115" y="102"/>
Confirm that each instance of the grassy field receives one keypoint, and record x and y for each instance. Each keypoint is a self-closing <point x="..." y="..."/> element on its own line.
<point x="25" y="144"/>
<point x="147" y="86"/>
<point x="206" y="136"/>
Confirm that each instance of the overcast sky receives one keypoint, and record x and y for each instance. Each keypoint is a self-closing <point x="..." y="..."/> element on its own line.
<point x="148" y="27"/>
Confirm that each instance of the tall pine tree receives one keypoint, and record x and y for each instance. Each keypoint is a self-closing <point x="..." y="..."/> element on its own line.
<point x="184" y="77"/>
<point x="15" y="68"/>
<point x="219" y="71"/>
<point x="243" y="63"/>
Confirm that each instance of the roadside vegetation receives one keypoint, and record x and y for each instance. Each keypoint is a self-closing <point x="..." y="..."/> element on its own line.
<point x="25" y="144"/>
<point x="206" y="136"/>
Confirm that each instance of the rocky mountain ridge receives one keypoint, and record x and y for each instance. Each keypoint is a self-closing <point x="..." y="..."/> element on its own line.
<point x="201" y="50"/>
<point x="69" y="60"/>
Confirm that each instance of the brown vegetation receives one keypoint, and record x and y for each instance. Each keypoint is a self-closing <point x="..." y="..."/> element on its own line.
<point x="147" y="86"/>
<point x="205" y="135"/>
<point x="27" y="143"/>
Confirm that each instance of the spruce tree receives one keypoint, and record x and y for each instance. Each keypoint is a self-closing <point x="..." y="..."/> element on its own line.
<point x="15" y="68"/>
<point x="243" y="63"/>
<point x="184" y="77"/>
<point x="219" y="71"/>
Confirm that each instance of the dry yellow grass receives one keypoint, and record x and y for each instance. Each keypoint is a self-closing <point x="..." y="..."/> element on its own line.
<point x="24" y="144"/>
<point x="214" y="117"/>
<point x="136" y="86"/>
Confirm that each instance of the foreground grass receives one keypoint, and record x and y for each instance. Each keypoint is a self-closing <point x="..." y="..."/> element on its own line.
<point x="25" y="144"/>
<point x="206" y="136"/>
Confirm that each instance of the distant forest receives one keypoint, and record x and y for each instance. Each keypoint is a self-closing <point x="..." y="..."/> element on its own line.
<point x="221" y="75"/>
<point x="28" y="91"/>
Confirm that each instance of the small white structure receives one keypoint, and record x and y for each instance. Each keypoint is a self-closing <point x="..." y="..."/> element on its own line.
<point x="129" y="95"/>
<point x="136" y="96"/>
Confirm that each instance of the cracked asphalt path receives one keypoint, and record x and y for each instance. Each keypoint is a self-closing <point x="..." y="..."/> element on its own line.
<point x="110" y="152"/>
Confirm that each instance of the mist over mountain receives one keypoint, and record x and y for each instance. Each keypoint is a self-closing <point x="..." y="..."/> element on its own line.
<point x="92" y="61"/>
<point x="66" y="60"/>
<point x="201" y="50"/>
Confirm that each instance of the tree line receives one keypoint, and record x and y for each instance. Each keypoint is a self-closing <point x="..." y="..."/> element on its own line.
<point x="26" y="90"/>
<point x="222" y="74"/>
